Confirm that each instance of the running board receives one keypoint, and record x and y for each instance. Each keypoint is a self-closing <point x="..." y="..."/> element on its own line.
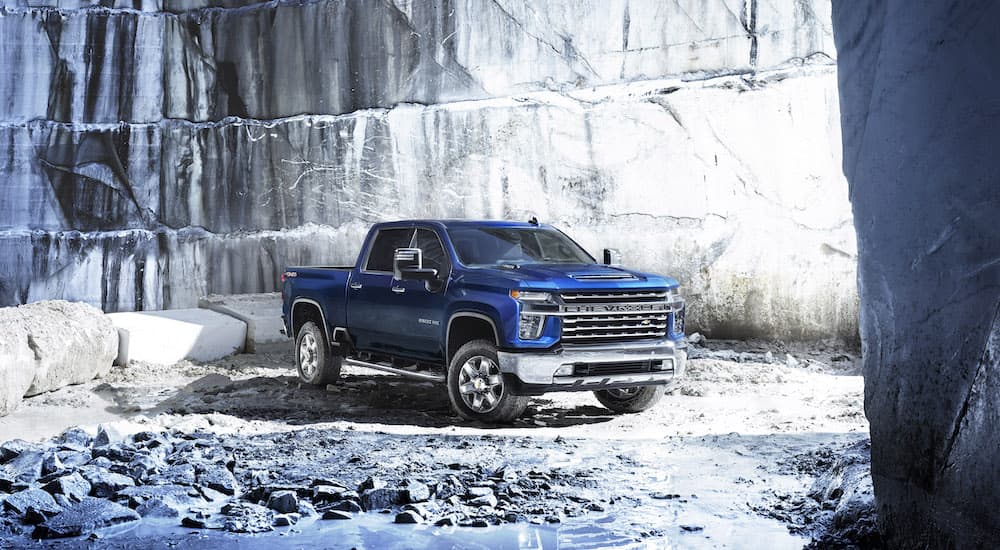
<point x="394" y="370"/>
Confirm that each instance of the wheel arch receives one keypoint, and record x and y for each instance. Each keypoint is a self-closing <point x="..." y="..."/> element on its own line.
<point x="305" y="310"/>
<point x="474" y="326"/>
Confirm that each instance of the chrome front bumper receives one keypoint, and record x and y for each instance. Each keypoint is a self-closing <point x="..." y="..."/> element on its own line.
<point x="537" y="370"/>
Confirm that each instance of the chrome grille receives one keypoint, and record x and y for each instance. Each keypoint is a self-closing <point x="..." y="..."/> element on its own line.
<point x="592" y="327"/>
<point x="618" y="296"/>
<point x="625" y="367"/>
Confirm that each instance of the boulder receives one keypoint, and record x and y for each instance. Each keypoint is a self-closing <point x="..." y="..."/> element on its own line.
<point x="22" y="502"/>
<point x="183" y="474"/>
<point x="51" y="464"/>
<point x="260" y="312"/>
<point x="337" y="514"/>
<point x="218" y="478"/>
<point x="408" y="516"/>
<point x="17" y="362"/>
<point x="283" y="502"/>
<point x="415" y="491"/>
<point x="489" y="501"/>
<point x="285" y="520"/>
<point x="107" y="435"/>
<point x="26" y="467"/>
<point x="10" y="449"/>
<point x="66" y="343"/>
<point x="244" y="517"/>
<point x="73" y="486"/>
<point x="380" y="499"/>
<point x="74" y="438"/>
<point x="157" y="507"/>
<point x="85" y="517"/>
<point x="166" y="337"/>
<point x="346" y="506"/>
<point x="74" y="459"/>
<point x="161" y="500"/>
<point x="104" y="483"/>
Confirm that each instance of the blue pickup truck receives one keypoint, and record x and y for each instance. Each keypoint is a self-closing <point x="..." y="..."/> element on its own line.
<point x="496" y="310"/>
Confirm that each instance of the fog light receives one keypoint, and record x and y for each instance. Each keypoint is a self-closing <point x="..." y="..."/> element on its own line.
<point x="565" y="370"/>
<point x="530" y="326"/>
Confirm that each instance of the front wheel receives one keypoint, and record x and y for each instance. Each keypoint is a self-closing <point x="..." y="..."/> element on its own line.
<point x="631" y="400"/>
<point x="476" y="387"/>
<point x="315" y="363"/>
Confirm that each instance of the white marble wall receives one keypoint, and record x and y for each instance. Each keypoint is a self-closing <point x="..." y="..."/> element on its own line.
<point x="614" y="120"/>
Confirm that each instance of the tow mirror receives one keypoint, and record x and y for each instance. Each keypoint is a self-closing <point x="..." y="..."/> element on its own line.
<point x="408" y="265"/>
<point x="612" y="257"/>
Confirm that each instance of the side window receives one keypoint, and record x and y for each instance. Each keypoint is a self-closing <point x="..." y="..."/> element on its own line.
<point x="434" y="256"/>
<point x="386" y="243"/>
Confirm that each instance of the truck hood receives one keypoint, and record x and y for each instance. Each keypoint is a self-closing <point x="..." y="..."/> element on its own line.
<point x="568" y="277"/>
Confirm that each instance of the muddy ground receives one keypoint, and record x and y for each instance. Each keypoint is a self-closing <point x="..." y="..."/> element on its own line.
<point x="761" y="445"/>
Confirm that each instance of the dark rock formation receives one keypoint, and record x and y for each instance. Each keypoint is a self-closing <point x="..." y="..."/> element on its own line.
<point x="921" y="128"/>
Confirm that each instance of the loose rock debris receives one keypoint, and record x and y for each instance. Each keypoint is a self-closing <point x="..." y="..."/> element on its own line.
<point x="240" y="446"/>
<point x="207" y="481"/>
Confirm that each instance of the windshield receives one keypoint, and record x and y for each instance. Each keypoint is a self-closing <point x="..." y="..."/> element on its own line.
<point x="515" y="245"/>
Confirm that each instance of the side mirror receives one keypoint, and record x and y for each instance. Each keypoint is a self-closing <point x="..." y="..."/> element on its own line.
<point x="612" y="257"/>
<point x="408" y="265"/>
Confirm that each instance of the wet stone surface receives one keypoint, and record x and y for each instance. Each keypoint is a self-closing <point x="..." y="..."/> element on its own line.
<point x="238" y="484"/>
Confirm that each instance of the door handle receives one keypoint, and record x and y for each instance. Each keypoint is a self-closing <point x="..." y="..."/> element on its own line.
<point x="356" y="286"/>
<point x="398" y="289"/>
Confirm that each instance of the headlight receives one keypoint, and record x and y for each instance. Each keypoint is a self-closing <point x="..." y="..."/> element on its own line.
<point x="530" y="296"/>
<point x="529" y="327"/>
<point x="679" y="321"/>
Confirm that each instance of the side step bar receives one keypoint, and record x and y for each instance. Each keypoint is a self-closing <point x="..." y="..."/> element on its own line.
<point x="390" y="369"/>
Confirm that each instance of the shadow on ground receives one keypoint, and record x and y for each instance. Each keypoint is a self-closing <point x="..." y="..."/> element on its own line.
<point x="356" y="398"/>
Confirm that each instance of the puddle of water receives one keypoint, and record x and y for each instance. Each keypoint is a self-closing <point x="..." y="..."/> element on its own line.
<point x="377" y="532"/>
<point x="365" y="531"/>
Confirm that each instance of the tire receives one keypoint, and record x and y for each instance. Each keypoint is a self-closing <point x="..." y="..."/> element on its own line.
<point x="631" y="400"/>
<point x="313" y="360"/>
<point x="477" y="389"/>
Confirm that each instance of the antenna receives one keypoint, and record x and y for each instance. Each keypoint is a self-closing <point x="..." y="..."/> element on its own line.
<point x="533" y="220"/>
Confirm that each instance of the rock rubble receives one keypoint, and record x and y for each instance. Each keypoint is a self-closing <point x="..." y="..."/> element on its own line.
<point x="75" y="485"/>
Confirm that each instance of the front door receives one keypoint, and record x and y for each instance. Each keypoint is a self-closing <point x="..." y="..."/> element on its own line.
<point x="422" y="304"/>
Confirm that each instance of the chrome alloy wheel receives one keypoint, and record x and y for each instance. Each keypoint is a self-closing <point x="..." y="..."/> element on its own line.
<point x="480" y="384"/>
<point x="308" y="356"/>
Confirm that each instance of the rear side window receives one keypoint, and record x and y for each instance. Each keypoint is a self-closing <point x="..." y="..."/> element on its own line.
<point x="386" y="243"/>
<point x="433" y="254"/>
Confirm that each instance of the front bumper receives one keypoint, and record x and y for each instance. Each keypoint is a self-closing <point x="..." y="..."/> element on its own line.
<point x="534" y="372"/>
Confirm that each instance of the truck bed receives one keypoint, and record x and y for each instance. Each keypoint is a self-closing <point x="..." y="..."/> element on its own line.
<point x="306" y="267"/>
<point x="323" y="285"/>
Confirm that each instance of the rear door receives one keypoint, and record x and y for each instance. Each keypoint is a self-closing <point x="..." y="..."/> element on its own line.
<point x="373" y="319"/>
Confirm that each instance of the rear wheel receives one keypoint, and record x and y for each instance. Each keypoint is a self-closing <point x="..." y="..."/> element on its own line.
<point x="631" y="400"/>
<point x="476" y="386"/>
<point x="315" y="363"/>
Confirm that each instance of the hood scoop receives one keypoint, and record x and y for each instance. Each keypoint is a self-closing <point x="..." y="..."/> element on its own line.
<point x="603" y="276"/>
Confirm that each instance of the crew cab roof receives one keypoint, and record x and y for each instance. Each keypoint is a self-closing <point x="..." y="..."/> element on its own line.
<point x="459" y="223"/>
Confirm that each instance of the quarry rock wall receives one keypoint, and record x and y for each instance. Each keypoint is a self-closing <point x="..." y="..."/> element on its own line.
<point x="155" y="152"/>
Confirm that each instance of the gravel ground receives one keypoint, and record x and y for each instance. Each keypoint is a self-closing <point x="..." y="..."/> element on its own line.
<point x="760" y="445"/>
